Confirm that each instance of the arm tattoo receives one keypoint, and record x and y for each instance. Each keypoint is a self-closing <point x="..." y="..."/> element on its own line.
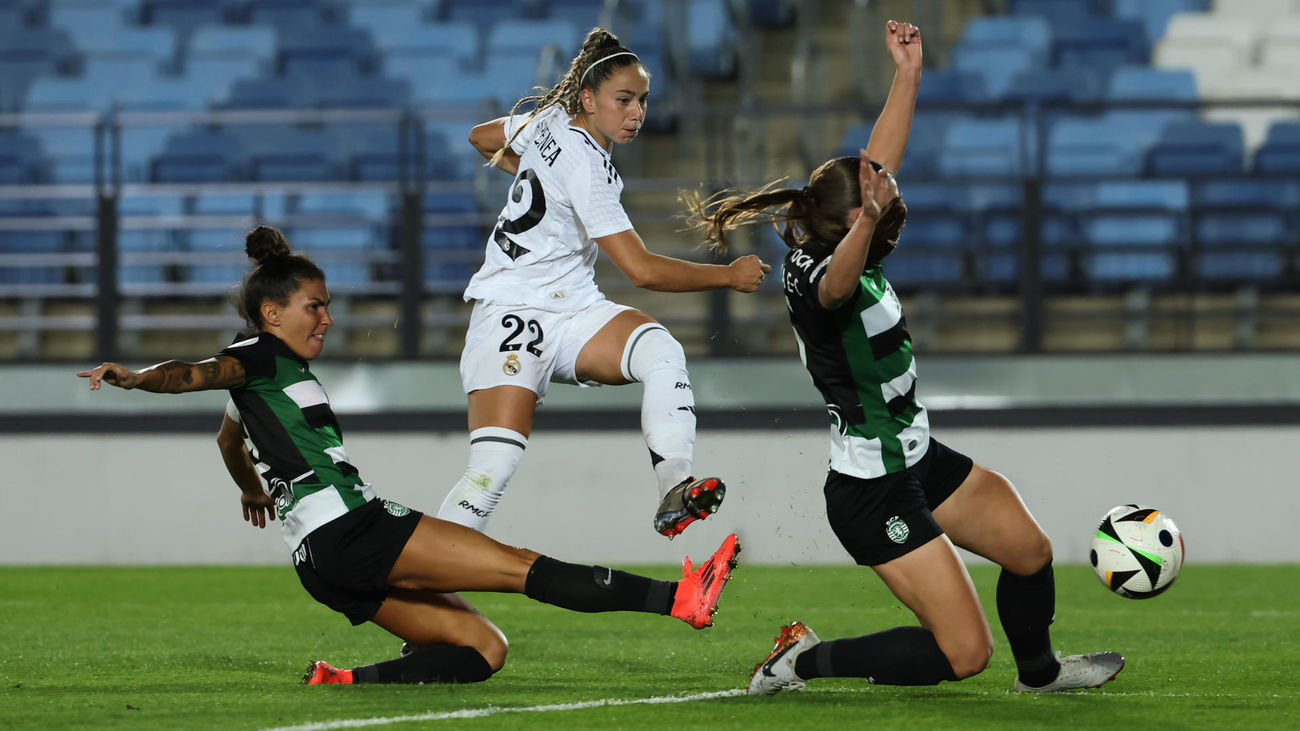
<point x="176" y="376"/>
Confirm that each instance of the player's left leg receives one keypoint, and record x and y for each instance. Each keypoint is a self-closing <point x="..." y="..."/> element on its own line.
<point x="632" y="346"/>
<point x="450" y="641"/>
<point x="986" y="516"/>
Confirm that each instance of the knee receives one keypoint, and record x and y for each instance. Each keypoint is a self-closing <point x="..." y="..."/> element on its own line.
<point x="494" y="648"/>
<point x="971" y="658"/>
<point x="1031" y="559"/>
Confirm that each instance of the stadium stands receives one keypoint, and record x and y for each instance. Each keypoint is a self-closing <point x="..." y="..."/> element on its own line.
<point x="1103" y="110"/>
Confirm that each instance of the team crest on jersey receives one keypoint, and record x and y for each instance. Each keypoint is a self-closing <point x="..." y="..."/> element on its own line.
<point x="396" y="510"/>
<point x="512" y="365"/>
<point x="283" y="494"/>
<point x="897" y="530"/>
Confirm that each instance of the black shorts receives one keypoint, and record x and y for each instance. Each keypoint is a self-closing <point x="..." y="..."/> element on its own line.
<point x="880" y="519"/>
<point x="345" y="563"/>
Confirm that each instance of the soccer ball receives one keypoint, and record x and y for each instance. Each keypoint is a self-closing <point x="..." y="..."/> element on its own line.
<point x="1137" y="552"/>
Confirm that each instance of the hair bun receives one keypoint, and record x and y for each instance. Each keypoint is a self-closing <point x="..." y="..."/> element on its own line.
<point x="264" y="242"/>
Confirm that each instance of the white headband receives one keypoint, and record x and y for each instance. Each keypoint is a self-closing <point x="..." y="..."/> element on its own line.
<point x="593" y="64"/>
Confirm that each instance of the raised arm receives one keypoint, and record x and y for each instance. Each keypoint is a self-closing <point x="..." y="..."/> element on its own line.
<point x="174" y="376"/>
<point x="258" y="506"/>
<point x="660" y="273"/>
<point x="489" y="137"/>
<point x="894" y="125"/>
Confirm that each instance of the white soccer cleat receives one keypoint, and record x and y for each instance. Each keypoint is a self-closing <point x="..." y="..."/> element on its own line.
<point x="1080" y="671"/>
<point x="776" y="672"/>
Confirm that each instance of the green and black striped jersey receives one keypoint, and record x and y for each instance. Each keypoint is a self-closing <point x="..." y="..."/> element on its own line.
<point x="860" y="359"/>
<point x="293" y="437"/>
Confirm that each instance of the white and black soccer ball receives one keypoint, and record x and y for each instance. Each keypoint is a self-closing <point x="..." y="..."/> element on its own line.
<point x="1137" y="551"/>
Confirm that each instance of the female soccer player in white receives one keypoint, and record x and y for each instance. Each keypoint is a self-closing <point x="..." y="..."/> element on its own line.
<point x="897" y="498"/>
<point x="538" y="314"/>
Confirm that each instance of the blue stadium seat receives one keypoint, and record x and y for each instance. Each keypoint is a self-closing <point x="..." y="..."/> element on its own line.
<point x="140" y="144"/>
<point x="214" y="77"/>
<point x="384" y="19"/>
<point x="1154" y="14"/>
<point x="435" y="79"/>
<point x="1024" y="31"/>
<point x="1048" y="84"/>
<point x="997" y="65"/>
<point x="482" y="14"/>
<point x="289" y="154"/>
<point x="158" y="45"/>
<point x="1138" y="84"/>
<point x="185" y="16"/>
<point x="1280" y="153"/>
<point x="1084" y="147"/>
<point x="200" y="156"/>
<point x="530" y="36"/>
<point x="32" y="242"/>
<point x="132" y="271"/>
<point x="448" y="154"/>
<point x="288" y="15"/>
<point x="984" y="148"/>
<point x="372" y="151"/>
<point x="67" y="94"/>
<point x="711" y="39"/>
<point x="233" y="41"/>
<point x="946" y="85"/>
<point x="69" y="152"/>
<point x="1100" y="44"/>
<point x="452" y="240"/>
<point x="585" y="14"/>
<point x="325" y="49"/>
<point x="20" y="158"/>
<point x="1135" y="231"/>
<point x="220" y="260"/>
<point x="457" y="40"/>
<point x="1197" y="148"/>
<point x="374" y="205"/>
<point x="273" y="92"/>
<point x="16" y="77"/>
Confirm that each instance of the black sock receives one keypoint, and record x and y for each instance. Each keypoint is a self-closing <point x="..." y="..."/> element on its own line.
<point x="1026" y="607"/>
<point x="432" y="664"/>
<point x="898" y="656"/>
<point x="596" y="588"/>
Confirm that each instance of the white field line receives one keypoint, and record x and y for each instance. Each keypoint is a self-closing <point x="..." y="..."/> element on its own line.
<point x="606" y="702"/>
<point x="494" y="710"/>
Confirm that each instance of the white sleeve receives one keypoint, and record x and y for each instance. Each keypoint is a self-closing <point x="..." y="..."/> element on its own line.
<point x="525" y="137"/>
<point x="232" y="411"/>
<point x="597" y="204"/>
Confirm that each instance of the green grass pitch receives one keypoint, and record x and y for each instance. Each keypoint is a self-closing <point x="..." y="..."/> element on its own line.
<point x="224" y="648"/>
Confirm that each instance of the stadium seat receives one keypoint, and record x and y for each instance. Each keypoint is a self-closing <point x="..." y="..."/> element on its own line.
<point x="288" y="154"/>
<point x="1197" y="149"/>
<point x="1090" y="147"/>
<point x="1048" y="84"/>
<point x="455" y="40"/>
<point x="372" y="205"/>
<point x="385" y="19"/>
<point x="233" y="41"/>
<point x="324" y="49"/>
<point x="364" y="92"/>
<point x="1154" y="15"/>
<point x="200" y="156"/>
<point x="220" y="260"/>
<point x="452" y="240"/>
<point x="950" y="86"/>
<point x="1252" y="85"/>
<point x="1280" y="153"/>
<point x="20" y="158"/>
<point x="287" y="15"/>
<point x="586" y="14"/>
<point x="31" y="242"/>
<point x="185" y="16"/>
<point x="1208" y="44"/>
<point x="1135" y="231"/>
<point x="984" y="148"/>
<point x="711" y="39"/>
<point x="69" y="151"/>
<point x="997" y="65"/>
<point x="1100" y="44"/>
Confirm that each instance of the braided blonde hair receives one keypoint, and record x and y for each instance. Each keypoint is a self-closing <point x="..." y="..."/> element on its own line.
<point x="588" y="70"/>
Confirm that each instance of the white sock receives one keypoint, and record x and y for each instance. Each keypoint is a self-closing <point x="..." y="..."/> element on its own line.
<point x="653" y="357"/>
<point x="494" y="453"/>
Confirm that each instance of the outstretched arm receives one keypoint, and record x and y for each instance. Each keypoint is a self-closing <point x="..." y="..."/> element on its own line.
<point x="489" y="137"/>
<point x="258" y="506"/>
<point x="660" y="273"/>
<point x="174" y="376"/>
<point x="894" y="125"/>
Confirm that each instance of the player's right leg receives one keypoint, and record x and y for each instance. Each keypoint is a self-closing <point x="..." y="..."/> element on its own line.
<point x="446" y="557"/>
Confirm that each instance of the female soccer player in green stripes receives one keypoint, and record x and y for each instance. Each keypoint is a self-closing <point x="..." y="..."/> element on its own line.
<point x="897" y="499"/>
<point x="368" y="558"/>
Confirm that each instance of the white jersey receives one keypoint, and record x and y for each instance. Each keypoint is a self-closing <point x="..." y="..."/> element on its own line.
<point x="542" y="252"/>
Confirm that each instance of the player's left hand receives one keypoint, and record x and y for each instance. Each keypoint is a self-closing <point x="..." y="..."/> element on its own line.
<point x="904" y="43"/>
<point x="259" y="508"/>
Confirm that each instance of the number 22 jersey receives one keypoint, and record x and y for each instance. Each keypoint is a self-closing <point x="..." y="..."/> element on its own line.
<point x="542" y="252"/>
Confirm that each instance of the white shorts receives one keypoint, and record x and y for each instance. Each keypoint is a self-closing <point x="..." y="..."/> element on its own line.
<point x="514" y="345"/>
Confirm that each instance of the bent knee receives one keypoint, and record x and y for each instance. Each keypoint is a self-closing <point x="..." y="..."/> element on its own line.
<point x="970" y="660"/>
<point x="1031" y="559"/>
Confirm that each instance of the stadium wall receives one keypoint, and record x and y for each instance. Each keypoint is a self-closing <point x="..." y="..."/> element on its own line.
<point x="131" y="478"/>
